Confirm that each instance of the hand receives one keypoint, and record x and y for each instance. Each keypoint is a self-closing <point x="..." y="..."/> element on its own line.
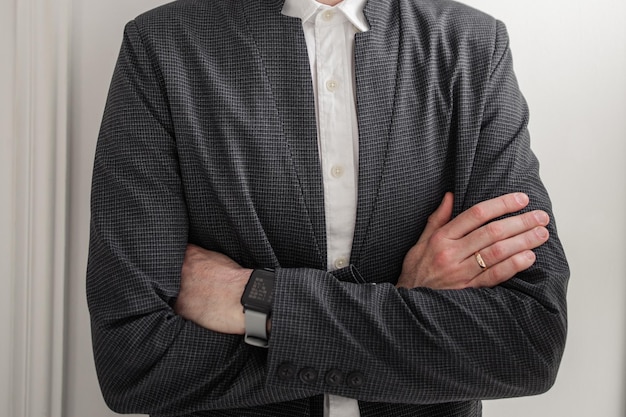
<point x="211" y="286"/>
<point x="444" y="256"/>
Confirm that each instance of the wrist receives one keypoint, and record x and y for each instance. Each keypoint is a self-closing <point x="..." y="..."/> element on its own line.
<point x="257" y="301"/>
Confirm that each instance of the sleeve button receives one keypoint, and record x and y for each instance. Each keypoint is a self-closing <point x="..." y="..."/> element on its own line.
<point x="355" y="379"/>
<point x="286" y="371"/>
<point x="308" y="375"/>
<point x="334" y="378"/>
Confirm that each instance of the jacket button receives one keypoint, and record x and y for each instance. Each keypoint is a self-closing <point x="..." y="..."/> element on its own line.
<point x="355" y="379"/>
<point x="308" y="375"/>
<point x="286" y="371"/>
<point x="334" y="378"/>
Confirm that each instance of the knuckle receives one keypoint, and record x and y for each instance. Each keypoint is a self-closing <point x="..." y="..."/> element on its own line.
<point x="518" y="263"/>
<point x="443" y="257"/>
<point x="498" y="251"/>
<point x="479" y="212"/>
<point x="530" y="239"/>
<point x="439" y="259"/>
<point x="522" y="261"/>
<point x="438" y="238"/>
<point x="536" y="237"/>
<point x="530" y="220"/>
<point x="495" y="230"/>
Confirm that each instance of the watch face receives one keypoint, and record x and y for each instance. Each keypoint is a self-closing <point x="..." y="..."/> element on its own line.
<point x="259" y="292"/>
<point x="261" y="289"/>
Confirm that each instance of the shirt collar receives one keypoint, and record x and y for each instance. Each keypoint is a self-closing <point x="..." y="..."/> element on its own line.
<point x="305" y="9"/>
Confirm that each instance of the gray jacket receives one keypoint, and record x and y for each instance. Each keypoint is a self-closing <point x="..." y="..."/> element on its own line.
<point x="209" y="137"/>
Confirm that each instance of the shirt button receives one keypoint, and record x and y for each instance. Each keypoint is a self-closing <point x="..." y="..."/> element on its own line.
<point x="341" y="262"/>
<point x="328" y="15"/>
<point x="331" y="85"/>
<point x="337" y="171"/>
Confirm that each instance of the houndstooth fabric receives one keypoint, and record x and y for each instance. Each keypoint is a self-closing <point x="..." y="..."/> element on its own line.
<point x="209" y="137"/>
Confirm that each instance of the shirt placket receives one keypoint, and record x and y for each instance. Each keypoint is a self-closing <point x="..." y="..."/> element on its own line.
<point x="336" y="135"/>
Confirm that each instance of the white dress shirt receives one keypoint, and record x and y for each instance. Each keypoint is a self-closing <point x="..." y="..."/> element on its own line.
<point x="329" y="33"/>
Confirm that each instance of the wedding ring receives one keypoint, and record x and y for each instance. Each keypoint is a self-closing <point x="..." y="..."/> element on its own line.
<point x="480" y="261"/>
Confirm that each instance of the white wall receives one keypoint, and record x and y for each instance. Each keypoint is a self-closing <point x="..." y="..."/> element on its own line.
<point x="570" y="57"/>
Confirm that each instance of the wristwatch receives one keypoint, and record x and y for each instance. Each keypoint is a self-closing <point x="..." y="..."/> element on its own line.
<point x="257" y="306"/>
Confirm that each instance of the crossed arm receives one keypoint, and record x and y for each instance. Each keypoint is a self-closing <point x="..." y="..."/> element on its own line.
<point x="486" y="341"/>
<point x="443" y="258"/>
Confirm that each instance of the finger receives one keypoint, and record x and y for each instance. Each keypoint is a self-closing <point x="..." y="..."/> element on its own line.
<point x="503" y="271"/>
<point x="506" y="248"/>
<point x="439" y="217"/>
<point x="500" y="230"/>
<point x="481" y="213"/>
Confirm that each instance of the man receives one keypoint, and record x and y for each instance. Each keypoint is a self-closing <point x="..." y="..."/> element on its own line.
<point x="358" y="176"/>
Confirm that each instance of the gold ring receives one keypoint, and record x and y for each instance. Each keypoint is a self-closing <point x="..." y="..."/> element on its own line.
<point x="480" y="261"/>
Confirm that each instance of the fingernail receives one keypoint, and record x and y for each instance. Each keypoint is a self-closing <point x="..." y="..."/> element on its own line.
<point x="521" y="198"/>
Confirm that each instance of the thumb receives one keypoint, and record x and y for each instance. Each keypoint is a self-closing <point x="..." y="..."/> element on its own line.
<point x="439" y="217"/>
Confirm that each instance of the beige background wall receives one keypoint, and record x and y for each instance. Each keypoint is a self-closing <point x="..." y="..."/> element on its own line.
<point x="570" y="57"/>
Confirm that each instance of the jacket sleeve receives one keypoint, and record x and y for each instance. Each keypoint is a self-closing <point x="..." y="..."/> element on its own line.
<point x="371" y="342"/>
<point x="148" y="359"/>
<point x="423" y="346"/>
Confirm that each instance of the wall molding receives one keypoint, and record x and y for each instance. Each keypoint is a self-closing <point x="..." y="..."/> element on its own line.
<point x="40" y="195"/>
<point x="7" y="209"/>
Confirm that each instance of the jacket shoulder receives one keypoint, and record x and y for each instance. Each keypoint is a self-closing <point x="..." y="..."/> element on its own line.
<point x="189" y="15"/>
<point x="447" y="11"/>
<point x="452" y="26"/>
<point x="449" y="18"/>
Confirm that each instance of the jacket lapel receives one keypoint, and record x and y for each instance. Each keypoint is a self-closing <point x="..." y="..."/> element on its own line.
<point x="376" y="58"/>
<point x="282" y="47"/>
<point x="281" y="44"/>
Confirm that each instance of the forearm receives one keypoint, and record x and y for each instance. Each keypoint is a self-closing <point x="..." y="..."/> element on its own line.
<point x="150" y="360"/>
<point x="414" y="346"/>
<point x="162" y="365"/>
